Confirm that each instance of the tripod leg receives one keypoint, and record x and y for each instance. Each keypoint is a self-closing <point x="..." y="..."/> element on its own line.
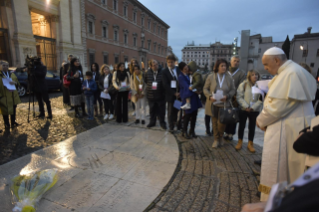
<point x="33" y="104"/>
<point x="29" y="106"/>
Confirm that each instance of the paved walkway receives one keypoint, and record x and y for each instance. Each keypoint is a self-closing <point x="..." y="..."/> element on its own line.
<point x="108" y="168"/>
<point x="129" y="168"/>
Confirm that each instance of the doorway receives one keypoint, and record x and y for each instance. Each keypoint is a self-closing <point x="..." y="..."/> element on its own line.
<point x="4" y="46"/>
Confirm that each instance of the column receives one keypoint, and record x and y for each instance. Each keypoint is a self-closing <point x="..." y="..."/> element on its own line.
<point x="65" y="24"/>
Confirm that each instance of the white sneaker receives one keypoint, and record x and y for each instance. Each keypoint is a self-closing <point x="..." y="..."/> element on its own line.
<point x="111" y="116"/>
<point x="186" y="106"/>
<point x="106" y="116"/>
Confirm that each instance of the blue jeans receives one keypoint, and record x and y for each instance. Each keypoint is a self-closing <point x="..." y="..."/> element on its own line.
<point x="89" y="104"/>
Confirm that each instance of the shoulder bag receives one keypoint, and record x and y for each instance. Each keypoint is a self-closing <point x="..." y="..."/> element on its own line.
<point x="228" y="115"/>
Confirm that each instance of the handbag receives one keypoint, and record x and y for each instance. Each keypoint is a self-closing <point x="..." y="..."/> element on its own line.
<point x="66" y="82"/>
<point x="228" y="115"/>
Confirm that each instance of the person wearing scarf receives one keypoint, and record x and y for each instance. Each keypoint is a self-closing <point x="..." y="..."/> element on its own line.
<point x="121" y="81"/>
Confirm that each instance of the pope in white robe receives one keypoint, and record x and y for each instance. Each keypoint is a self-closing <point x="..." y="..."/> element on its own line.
<point x="287" y="110"/>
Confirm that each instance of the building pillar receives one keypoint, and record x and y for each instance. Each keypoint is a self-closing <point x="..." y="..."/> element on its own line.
<point x="24" y="41"/>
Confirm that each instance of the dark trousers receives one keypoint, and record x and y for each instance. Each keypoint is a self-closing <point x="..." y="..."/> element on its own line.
<point x="157" y="109"/>
<point x="190" y="117"/>
<point x="108" y="106"/>
<point x="231" y="129"/>
<point x="122" y="107"/>
<point x="252" y="116"/>
<point x="12" y="117"/>
<point x="97" y="98"/>
<point x="207" y="123"/>
<point x="171" y="115"/>
<point x="43" y="97"/>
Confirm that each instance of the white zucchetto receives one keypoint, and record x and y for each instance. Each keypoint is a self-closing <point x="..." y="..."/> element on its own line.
<point x="274" y="51"/>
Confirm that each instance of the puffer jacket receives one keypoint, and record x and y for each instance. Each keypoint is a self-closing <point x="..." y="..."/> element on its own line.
<point x="8" y="99"/>
<point x="244" y="97"/>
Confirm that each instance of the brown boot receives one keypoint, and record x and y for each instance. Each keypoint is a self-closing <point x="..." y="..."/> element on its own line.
<point x="96" y="111"/>
<point x="250" y="147"/>
<point x="239" y="144"/>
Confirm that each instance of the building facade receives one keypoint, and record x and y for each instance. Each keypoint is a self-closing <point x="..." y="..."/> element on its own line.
<point x="48" y="29"/>
<point x="205" y="55"/>
<point x="102" y="31"/>
<point x="253" y="48"/>
<point x="116" y="31"/>
<point x="304" y="48"/>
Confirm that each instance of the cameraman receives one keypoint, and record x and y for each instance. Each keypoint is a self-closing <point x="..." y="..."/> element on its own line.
<point x="39" y="86"/>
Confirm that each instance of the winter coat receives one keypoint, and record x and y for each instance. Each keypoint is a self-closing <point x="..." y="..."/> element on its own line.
<point x="210" y="87"/>
<point x="101" y="82"/>
<point x="134" y="88"/>
<point x="244" y="97"/>
<point x="8" y="99"/>
<point x="184" y="84"/>
<point x="39" y="83"/>
<point x="159" y="93"/>
<point x="197" y="81"/>
<point x="76" y="83"/>
<point x="92" y="85"/>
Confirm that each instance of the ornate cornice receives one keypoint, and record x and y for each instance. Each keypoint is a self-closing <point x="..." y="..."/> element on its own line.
<point x="90" y="16"/>
<point x="104" y="22"/>
<point x="115" y="26"/>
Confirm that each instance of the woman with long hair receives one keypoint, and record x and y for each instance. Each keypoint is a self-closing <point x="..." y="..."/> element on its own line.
<point x="75" y="75"/>
<point x="250" y="105"/>
<point x="222" y="83"/>
<point x="121" y="81"/>
<point x="132" y="63"/>
<point x="96" y="77"/>
<point x="105" y="85"/>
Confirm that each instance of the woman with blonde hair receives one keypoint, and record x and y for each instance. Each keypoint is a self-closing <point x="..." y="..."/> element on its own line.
<point x="9" y="98"/>
<point x="250" y="105"/>
<point x="105" y="85"/>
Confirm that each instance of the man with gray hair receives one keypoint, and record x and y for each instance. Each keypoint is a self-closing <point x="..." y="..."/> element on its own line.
<point x="287" y="110"/>
<point x="238" y="77"/>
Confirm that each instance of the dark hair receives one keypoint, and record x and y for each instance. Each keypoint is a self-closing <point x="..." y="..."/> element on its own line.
<point x="171" y="57"/>
<point x="181" y="65"/>
<point x="119" y="65"/>
<point x="96" y="67"/>
<point x="136" y="66"/>
<point x="73" y="68"/>
<point x="89" y="73"/>
<point x="217" y="64"/>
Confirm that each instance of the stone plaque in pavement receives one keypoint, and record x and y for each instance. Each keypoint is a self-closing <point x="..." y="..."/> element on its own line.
<point x="126" y="197"/>
<point x="83" y="190"/>
<point x="151" y="173"/>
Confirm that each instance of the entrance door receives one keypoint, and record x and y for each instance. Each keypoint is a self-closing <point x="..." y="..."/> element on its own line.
<point x="46" y="49"/>
<point x="4" y="46"/>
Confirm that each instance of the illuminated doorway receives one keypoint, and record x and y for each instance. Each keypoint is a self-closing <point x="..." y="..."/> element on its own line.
<point x="4" y="46"/>
<point x="45" y="43"/>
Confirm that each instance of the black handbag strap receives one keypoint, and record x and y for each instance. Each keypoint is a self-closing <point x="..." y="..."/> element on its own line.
<point x="231" y="104"/>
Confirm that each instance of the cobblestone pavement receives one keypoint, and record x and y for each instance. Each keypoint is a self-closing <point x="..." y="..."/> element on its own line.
<point x="210" y="179"/>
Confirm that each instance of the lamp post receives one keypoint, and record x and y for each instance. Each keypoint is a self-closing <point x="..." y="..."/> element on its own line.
<point x="302" y="48"/>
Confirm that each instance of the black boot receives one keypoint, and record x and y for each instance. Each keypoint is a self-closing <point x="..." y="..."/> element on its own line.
<point x="49" y="110"/>
<point x="83" y="109"/>
<point x="185" y="135"/>
<point x="77" y="114"/>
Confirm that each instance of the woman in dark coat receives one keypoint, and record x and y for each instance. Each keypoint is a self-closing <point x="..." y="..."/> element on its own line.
<point x="75" y="75"/>
<point x="97" y="98"/>
<point x="185" y="92"/>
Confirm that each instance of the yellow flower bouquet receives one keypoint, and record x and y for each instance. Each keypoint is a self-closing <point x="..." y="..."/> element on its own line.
<point x="27" y="190"/>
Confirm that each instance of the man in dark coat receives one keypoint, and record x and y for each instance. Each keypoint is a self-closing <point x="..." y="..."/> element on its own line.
<point x="170" y="84"/>
<point x="155" y="95"/>
<point x="40" y="87"/>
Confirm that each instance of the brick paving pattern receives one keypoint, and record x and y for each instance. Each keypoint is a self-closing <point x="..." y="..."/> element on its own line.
<point x="210" y="179"/>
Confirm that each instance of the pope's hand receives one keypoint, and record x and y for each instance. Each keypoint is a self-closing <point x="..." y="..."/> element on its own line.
<point x="223" y="99"/>
<point x="212" y="99"/>
<point x="254" y="207"/>
<point x="12" y="83"/>
<point x="262" y="128"/>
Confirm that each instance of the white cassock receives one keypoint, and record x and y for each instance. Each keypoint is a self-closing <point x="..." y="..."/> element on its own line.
<point x="287" y="110"/>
